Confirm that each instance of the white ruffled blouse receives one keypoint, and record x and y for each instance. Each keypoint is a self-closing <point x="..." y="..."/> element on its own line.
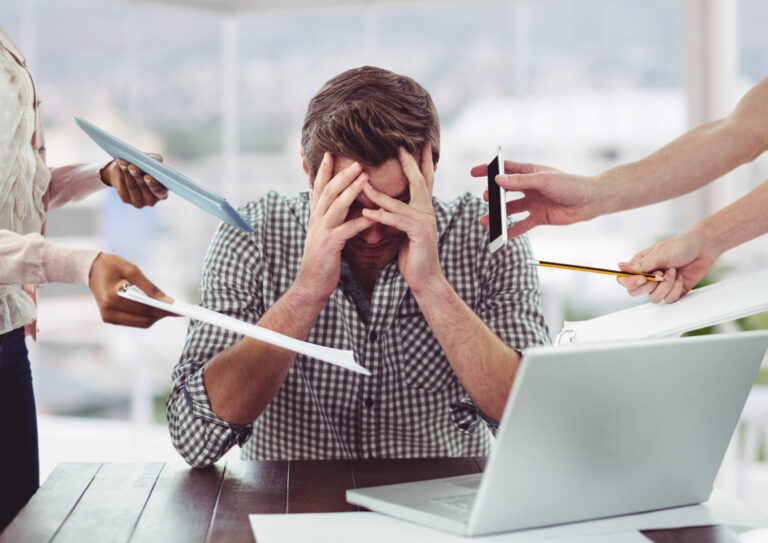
<point x="27" y="190"/>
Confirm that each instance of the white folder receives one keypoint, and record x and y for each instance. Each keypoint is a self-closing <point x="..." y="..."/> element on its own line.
<point x="714" y="304"/>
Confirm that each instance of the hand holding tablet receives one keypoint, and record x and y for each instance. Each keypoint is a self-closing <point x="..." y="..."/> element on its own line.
<point x="174" y="181"/>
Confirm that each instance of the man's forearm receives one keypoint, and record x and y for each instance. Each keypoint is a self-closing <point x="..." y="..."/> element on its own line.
<point x="241" y="380"/>
<point x="692" y="160"/>
<point x="743" y="220"/>
<point x="485" y="365"/>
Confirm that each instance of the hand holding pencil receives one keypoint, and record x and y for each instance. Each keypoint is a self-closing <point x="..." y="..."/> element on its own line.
<point x="548" y="264"/>
<point x="665" y="271"/>
<point x="684" y="258"/>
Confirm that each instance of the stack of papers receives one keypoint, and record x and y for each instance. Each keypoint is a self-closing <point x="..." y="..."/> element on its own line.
<point x="707" y="306"/>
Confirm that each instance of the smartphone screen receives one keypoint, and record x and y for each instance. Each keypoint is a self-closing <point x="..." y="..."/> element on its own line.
<point x="496" y="205"/>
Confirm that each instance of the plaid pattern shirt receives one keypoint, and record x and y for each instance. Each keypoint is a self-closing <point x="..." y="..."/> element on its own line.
<point x="412" y="405"/>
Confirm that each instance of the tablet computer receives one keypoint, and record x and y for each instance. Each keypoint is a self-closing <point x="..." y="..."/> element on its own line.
<point x="174" y="181"/>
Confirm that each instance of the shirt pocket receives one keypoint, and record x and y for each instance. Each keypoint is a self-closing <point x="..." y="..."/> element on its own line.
<point x="423" y="364"/>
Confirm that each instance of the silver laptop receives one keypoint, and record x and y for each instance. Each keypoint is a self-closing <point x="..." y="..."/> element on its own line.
<point x="595" y="431"/>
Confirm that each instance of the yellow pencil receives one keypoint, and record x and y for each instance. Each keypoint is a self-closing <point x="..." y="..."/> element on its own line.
<point x="620" y="273"/>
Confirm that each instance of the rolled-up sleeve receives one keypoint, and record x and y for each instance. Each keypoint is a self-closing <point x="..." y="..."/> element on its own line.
<point x="229" y="285"/>
<point x="511" y="307"/>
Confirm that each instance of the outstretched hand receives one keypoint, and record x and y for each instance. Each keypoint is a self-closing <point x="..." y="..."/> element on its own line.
<point x="549" y="196"/>
<point x="684" y="263"/>
<point x="132" y="185"/>
<point x="108" y="274"/>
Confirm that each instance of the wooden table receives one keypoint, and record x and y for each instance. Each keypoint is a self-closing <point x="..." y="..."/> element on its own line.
<point x="159" y="502"/>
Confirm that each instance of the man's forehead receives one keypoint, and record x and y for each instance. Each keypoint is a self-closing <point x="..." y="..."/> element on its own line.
<point x="388" y="178"/>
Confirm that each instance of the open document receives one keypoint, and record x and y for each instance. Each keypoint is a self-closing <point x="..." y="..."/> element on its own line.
<point x="376" y="528"/>
<point x="714" y="304"/>
<point x="337" y="357"/>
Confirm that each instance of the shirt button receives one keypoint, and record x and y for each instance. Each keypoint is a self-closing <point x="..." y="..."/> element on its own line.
<point x="373" y="336"/>
<point x="368" y="402"/>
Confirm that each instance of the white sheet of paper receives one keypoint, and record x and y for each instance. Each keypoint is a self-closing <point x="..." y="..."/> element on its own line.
<point x="337" y="357"/>
<point x="707" y="306"/>
<point x="374" y="527"/>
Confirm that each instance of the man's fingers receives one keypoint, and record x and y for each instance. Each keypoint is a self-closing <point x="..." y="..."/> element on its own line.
<point x="156" y="156"/>
<point x="388" y="203"/>
<point x="663" y="288"/>
<point x="647" y="288"/>
<point x="324" y="173"/>
<point x="520" y="182"/>
<point x="351" y="228"/>
<point x="339" y="208"/>
<point x="428" y="167"/>
<point x="395" y="220"/>
<point x="677" y="291"/>
<point x="632" y="282"/>
<point x="521" y="227"/>
<point x="416" y="181"/>
<point x="481" y="170"/>
<point x="517" y="229"/>
<point x="511" y="167"/>
<point x="518" y="205"/>
<point x="335" y="186"/>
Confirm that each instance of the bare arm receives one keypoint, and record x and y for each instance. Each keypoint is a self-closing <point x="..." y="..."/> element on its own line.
<point x="743" y="220"/>
<point x="484" y="364"/>
<point x="241" y="380"/>
<point x="687" y="257"/>
<point x="692" y="160"/>
<point x="686" y="164"/>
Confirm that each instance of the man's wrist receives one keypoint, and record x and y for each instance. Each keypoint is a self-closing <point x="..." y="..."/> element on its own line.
<point x="710" y="238"/>
<point x="434" y="288"/>
<point x="602" y="196"/>
<point x="305" y="295"/>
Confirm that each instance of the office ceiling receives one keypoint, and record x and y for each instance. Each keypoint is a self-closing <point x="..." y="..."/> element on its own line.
<point x="255" y="5"/>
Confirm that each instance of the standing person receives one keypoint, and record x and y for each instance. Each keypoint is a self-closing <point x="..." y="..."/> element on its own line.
<point x="28" y="189"/>
<point x="367" y="260"/>
<point x="686" y="164"/>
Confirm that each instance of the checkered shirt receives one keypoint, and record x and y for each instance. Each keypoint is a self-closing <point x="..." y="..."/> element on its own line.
<point x="412" y="405"/>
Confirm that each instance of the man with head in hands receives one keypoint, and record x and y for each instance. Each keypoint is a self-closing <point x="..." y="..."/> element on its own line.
<point x="367" y="260"/>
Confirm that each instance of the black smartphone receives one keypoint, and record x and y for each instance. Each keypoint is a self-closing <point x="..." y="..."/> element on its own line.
<point x="497" y="205"/>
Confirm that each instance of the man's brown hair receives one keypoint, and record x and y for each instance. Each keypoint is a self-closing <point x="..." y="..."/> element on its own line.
<point x="365" y="114"/>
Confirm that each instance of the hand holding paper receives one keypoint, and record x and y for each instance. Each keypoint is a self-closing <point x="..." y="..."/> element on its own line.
<point x="337" y="357"/>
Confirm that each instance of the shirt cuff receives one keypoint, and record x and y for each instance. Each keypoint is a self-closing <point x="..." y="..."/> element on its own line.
<point x="197" y="399"/>
<point x="66" y="265"/>
<point x="466" y="417"/>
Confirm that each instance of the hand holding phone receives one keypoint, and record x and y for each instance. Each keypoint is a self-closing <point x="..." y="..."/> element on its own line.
<point x="497" y="208"/>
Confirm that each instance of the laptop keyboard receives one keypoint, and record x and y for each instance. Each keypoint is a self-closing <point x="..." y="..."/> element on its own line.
<point x="462" y="502"/>
<point x="470" y="481"/>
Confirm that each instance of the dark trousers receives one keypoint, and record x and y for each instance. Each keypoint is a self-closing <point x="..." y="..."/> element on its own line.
<point x="19" y="463"/>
